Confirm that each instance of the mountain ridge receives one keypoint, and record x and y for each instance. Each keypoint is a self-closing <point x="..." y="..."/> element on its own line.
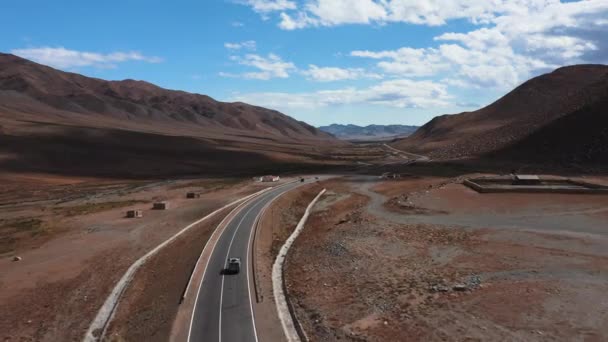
<point x="134" y="100"/>
<point x="369" y="132"/>
<point x="58" y="122"/>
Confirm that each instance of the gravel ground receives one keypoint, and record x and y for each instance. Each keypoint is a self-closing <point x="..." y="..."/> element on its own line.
<point x="363" y="277"/>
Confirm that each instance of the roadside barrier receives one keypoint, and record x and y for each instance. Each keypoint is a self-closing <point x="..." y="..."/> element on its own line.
<point x="291" y="327"/>
<point x="98" y="327"/>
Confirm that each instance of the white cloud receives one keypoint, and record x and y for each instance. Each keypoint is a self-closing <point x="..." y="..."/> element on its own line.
<point x="513" y="41"/>
<point x="400" y="93"/>
<point x="521" y="39"/>
<point x="534" y="33"/>
<point x="264" y="6"/>
<point x="429" y="12"/>
<point x="301" y="20"/>
<point x="60" y="57"/>
<point x="249" y="45"/>
<point x="437" y="12"/>
<point x="495" y="67"/>
<point x="329" y="74"/>
<point x="407" y="61"/>
<point x="336" y="12"/>
<point x="268" y="67"/>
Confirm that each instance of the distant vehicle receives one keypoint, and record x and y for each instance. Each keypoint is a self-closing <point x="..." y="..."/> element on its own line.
<point x="302" y="180"/>
<point x="234" y="266"/>
<point x="317" y="178"/>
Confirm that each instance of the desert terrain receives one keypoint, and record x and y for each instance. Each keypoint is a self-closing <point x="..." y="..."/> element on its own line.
<point x="397" y="248"/>
<point x="74" y="242"/>
<point x="426" y="258"/>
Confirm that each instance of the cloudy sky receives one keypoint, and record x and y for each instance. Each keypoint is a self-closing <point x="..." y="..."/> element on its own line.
<point x="321" y="61"/>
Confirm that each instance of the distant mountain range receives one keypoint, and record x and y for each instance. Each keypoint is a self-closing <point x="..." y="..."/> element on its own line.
<point x="371" y="132"/>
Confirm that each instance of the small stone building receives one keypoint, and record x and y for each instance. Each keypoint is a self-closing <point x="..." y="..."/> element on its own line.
<point x="270" y="178"/>
<point x="135" y="213"/>
<point x="160" y="206"/>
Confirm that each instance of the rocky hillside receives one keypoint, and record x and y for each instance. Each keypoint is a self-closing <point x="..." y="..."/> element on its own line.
<point x="549" y="115"/>
<point x="579" y="138"/>
<point x="371" y="132"/>
<point x="25" y="85"/>
<point x="64" y="123"/>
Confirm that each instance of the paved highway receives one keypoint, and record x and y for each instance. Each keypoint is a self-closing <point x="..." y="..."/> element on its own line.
<point x="223" y="310"/>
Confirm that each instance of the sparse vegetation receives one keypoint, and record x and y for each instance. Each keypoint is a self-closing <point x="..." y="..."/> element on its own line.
<point x="13" y="230"/>
<point x="209" y="184"/>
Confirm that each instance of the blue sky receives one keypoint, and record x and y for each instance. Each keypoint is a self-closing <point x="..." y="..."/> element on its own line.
<point x="321" y="61"/>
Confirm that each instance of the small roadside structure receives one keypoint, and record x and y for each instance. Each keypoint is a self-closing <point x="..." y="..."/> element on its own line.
<point x="160" y="206"/>
<point x="270" y="178"/>
<point x="135" y="213"/>
<point x="533" y="184"/>
<point x="193" y="195"/>
<point x="526" y="180"/>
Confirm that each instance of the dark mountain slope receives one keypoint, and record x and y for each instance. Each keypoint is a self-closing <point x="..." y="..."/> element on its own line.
<point x="64" y="123"/>
<point x="521" y="114"/>
<point x="578" y="138"/>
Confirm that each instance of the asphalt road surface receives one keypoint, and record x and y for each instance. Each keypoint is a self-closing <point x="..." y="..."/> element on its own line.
<point x="223" y="310"/>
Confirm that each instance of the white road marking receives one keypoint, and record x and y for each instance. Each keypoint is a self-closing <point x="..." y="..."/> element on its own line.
<point x="253" y="229"/>
<point x="107" y="310"/>
<point x="207" y="266"/>
<point x="209" y="259"/>
<point x="223" y="277"/>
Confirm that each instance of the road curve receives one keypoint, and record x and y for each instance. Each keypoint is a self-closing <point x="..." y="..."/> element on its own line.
<point x="417" y="157"/>
<point x="223" y="309"/>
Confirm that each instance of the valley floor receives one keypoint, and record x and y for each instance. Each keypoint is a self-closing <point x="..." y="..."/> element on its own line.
<point x="416" y="258"/>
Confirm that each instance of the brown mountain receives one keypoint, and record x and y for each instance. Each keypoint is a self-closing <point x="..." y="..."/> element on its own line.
<point x="55" y="121"/>
<point x="557" y="116"/>
<point x="135" y="102"/>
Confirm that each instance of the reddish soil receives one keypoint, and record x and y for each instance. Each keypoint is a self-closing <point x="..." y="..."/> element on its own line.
<point x="150" y="303"/>
<point x="82" y="245"/>
<point x="356" y="276"/>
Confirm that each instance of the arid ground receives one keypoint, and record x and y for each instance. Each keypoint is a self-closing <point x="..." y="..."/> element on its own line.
<point x="424" y="258"/>
<point x="420" y="257"/>
<point x="75" y="243"/>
